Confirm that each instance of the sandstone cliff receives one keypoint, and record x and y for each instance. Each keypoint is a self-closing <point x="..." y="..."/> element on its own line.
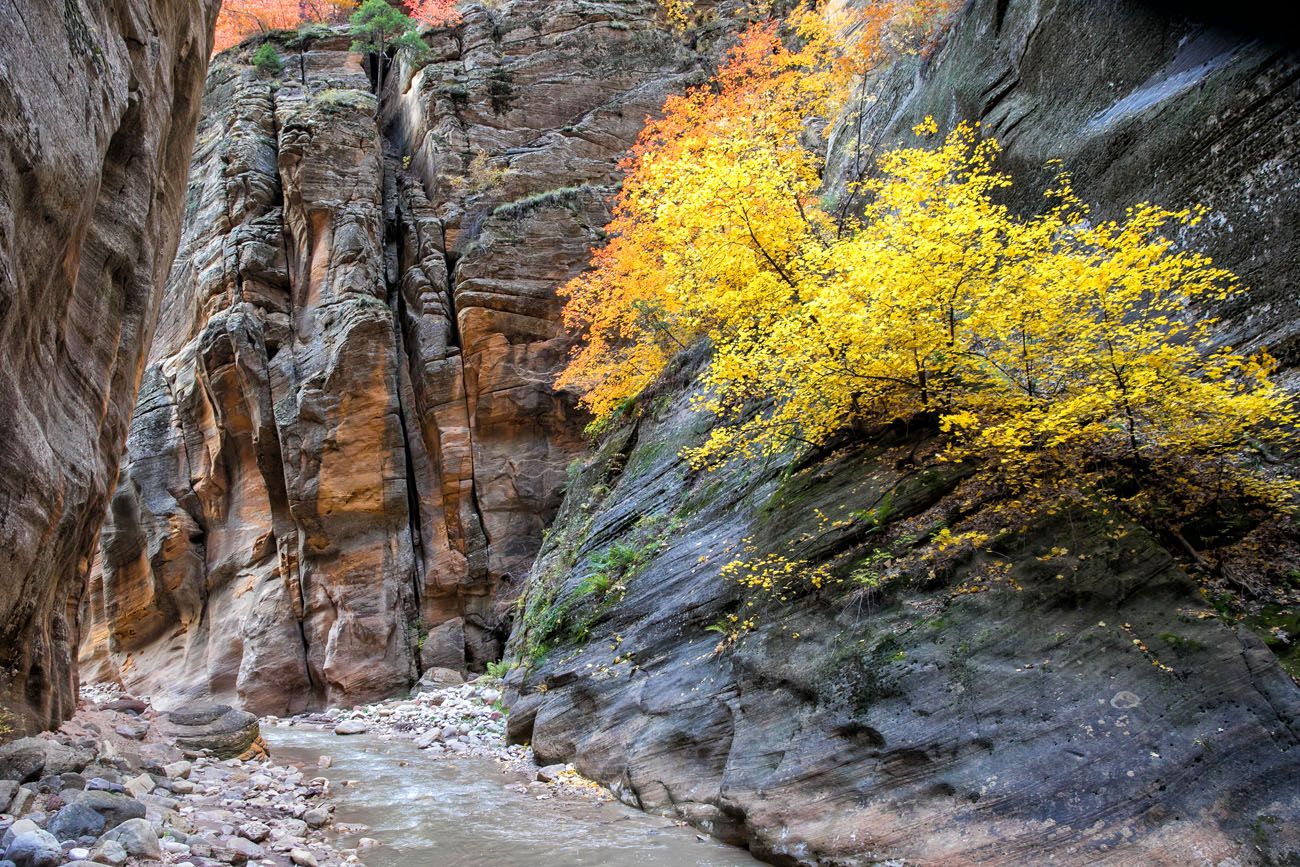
<point x="98" y="104"/>
<point x="1103" y="717"/>
<point x="347" y="444"/>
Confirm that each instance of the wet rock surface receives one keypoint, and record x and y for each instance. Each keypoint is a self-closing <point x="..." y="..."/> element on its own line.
<point x="99" y="103"/>
<point x="1139" y="106"/>
<point x="1107" y="716"/>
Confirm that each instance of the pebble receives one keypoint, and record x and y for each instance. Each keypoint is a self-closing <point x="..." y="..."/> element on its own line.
<point x="303" y="858"/>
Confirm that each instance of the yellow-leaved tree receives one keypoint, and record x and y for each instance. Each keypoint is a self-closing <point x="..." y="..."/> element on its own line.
<point x="1064" y="356"/>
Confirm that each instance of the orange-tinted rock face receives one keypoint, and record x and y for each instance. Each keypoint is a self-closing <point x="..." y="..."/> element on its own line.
<point x="98" y="104"/>
<point x="347" y="437"/>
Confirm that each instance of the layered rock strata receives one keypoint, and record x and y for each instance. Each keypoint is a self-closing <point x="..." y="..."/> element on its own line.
<point x="347" y="443"/>
<point x="1087" y="707"/>
<point x="98" y="103"/>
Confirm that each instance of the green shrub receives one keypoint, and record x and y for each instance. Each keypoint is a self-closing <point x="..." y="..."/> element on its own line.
<point x="266" y="60"/>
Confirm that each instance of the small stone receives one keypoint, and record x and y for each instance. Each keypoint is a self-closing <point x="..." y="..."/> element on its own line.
<point x="317" y="817"/>
<point x="255" y="831"/>
<point x="351" y="727"/>
<point x="132" y="731"/>
<point x="241" y="849"/>
<point x="302" y="858"/>
<point x="99" y="784"/>
<point x="22" y="800"/>
<point x="137" y="837"/>
<point x="294" y="827"/>
<point x="550" y="773"/>
<point x="324" y="762"/>
<point x="367" y="843"/>
<point x="110" y="852"/>
<point x="141" y="785"/>
<point x="182" y="787"/>
<point x="178" y="770"/>
<point x="78" y="853"/>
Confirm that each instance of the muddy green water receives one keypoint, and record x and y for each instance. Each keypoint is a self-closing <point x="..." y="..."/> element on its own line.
<point x="459" y="813"/>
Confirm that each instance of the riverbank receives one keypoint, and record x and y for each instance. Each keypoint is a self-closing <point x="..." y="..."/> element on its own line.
<point x="425" y="808"/>
<point x="458" y="720"/>
<point x="123" y="784"/>
<point x="406" y="782"/>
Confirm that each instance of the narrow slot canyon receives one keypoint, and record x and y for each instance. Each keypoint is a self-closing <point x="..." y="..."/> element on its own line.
<point x="620" y="432"/>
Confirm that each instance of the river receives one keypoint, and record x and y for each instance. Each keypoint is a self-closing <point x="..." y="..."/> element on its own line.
<point x="429" y="812"/>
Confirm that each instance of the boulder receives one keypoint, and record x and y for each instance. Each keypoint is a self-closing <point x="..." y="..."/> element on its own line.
<point x="99" y="784"/>
<point x="126" y="705"/>
<point x="21" y="826"/>
<point x="114" y="807"/>
<point x="7" y="790"/>
<point x="317" y="817"/>
<point x="33" y="847"/>
<point x="137" y="837"/>
<point x="22" y="760"/>
<point x="74" y="821"/>
<point x="352" y="727"/>
<point x="438" y="678"/>
<point x="444" y="646"/>
<point x="237" y="850"/>
<point x="22" y="801"/>
<point x="216" y="728"/>
<point x="132" y="731"/>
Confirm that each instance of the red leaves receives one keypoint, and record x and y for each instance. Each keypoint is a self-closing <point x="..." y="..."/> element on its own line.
<point x="434" y="13"/>
<point x="240" y="19"/>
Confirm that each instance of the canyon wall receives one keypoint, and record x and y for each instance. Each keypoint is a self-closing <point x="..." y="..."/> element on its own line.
<point x="1072" y="698"/>
<point x="98" y="103"/>
<point x="347" y="444"/>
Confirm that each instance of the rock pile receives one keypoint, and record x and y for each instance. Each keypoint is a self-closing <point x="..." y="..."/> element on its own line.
<point x="454" y="720"/>
<point x="112" y="788"/>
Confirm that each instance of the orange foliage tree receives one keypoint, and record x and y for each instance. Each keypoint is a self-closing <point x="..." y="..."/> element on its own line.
<point x="240" y="19"/>
<point x="434" y="13"/>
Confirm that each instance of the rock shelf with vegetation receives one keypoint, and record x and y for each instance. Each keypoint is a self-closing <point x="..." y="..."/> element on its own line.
<point x="864" y="431"/>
